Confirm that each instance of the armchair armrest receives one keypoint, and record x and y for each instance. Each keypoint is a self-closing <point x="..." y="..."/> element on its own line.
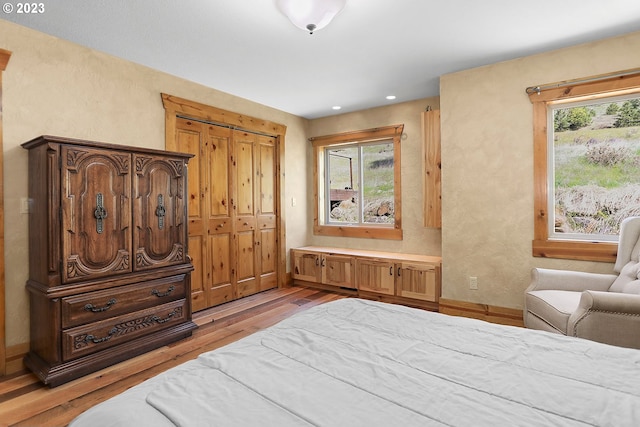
<point x="608" y="317"/>
<point x="566" y="280"/>
<point x="614" y="302"/>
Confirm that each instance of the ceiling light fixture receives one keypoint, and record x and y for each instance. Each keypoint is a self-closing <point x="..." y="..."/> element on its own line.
<point x="310" y="15"/>
<point x="391" y="97"/>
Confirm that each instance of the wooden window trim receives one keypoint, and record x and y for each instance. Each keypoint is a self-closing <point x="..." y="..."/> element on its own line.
<point x="592" y="89"/>
<point x="370" y="135"/>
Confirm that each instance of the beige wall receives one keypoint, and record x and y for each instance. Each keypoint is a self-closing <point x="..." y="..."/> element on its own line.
<point x="487" y="167"/>
<point x="417" y="239"/>
<point x="59" y="88"/>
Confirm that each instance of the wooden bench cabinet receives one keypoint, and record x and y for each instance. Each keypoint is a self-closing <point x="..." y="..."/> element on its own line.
<point x="396" y="277"/>
<point x="323" y="267"/>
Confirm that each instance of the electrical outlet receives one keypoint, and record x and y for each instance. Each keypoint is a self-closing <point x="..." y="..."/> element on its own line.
<point x="473" y="283"/>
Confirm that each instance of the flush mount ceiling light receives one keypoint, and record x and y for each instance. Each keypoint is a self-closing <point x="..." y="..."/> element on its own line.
<point x="310" y="15"/>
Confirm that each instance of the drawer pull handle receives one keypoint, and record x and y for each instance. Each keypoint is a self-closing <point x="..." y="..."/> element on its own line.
<point x="166" y="319"/>
<point x="94" y="309"/>
<point x="95" y="340"/>
<point x="163" y="294"/>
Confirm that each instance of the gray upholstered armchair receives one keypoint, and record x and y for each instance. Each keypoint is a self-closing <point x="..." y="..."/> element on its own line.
<point x="599" y="307"/>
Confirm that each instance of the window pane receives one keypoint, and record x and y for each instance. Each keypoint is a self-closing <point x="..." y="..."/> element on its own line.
<point x="596" y="170"/>
<point x="344" y="177"/>
<point x="377" y="179"/>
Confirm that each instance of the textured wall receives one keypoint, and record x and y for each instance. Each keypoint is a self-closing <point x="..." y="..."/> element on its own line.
<point x="487" y="168"/>
<point x="58" y="88"/>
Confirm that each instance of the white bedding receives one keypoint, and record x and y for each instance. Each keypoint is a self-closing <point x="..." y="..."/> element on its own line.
<point x="362" y="363"/>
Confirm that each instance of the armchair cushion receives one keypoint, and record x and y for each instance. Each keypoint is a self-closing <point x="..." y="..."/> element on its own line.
<point x="551" y="307"/>
<point x="628" y="280"/>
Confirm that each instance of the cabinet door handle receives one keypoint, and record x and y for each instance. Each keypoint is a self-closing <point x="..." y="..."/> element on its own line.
<point x="100" y="213"/>
<point x="399" y="271"/>
<point x="317" y="261"/>
<point x="324" y="262"/>
<point x="391" y="271"/>
<point x="160" y="211"/>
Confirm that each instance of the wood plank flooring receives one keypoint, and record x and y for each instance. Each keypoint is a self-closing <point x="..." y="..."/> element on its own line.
<point x="24" y="401"/>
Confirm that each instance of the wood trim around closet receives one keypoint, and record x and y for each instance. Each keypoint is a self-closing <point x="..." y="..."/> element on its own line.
<point x="178" y="107"/>
<point x="4" y="60"/>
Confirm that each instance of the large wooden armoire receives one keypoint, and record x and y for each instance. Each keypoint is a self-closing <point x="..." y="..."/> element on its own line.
<point x="109" y="274"/>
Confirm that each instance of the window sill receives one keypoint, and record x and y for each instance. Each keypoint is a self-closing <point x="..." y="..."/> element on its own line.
<point x="571" y="249"/>
<point x="362" y="232"/>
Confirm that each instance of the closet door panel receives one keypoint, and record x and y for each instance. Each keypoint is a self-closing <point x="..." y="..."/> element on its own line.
<point x="96" y="192"/>
<point x="266" y="215"/>
<point x="268" y="244"/>
<point x="246" y="266"/>
<point x="220" y="255"/>
<point x="189" y="137"/>
<point x="245" y="224"/>
<point x="243" y="163"/>
<point x="220" y="287"/>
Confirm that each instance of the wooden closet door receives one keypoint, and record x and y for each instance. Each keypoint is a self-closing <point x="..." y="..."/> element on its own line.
<point x="232" y="211"/>
<point x="210" y="225"/>
<point x="220" y="256"/>
<point x="96" y="216"/>
<point x="266" y="213"/>
<point x="245" y="211"/>
<point x="189" y="139"/>
<point x="159" y="230"/>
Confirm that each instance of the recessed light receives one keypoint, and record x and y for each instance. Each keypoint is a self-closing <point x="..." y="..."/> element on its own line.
<point x="336" y="107"/>
<point x="391" y="97"/>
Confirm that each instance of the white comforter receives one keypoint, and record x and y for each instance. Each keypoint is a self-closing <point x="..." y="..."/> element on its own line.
<point x="362" y="363"/>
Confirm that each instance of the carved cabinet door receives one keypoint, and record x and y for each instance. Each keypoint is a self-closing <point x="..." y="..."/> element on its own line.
<point x="96" y="214"/>
<point x="160" y="233"/>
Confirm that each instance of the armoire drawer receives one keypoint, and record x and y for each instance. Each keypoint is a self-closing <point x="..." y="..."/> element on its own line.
<point x="86" y="339"/>
<point x="99" y="305"/>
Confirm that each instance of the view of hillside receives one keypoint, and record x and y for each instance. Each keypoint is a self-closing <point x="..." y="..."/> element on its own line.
<point x="376" y="201"/>
<point x="597" y="166"/>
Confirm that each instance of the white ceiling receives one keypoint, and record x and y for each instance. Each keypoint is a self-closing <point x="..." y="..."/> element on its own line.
<point x="373" y="48"/>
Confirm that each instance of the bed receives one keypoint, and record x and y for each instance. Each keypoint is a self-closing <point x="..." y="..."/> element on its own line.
<point x="356" y="362"/>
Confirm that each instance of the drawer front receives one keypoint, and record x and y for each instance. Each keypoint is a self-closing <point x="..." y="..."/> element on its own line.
<point x="94" y="306"/>
<point x="94" y="337"/>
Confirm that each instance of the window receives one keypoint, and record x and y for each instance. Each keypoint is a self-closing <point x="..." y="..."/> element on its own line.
<point x="357" y="184"/>
<point x="586" y="166"/>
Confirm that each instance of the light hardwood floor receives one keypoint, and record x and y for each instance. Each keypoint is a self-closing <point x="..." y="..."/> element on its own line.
<point x="24" y="401"/>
